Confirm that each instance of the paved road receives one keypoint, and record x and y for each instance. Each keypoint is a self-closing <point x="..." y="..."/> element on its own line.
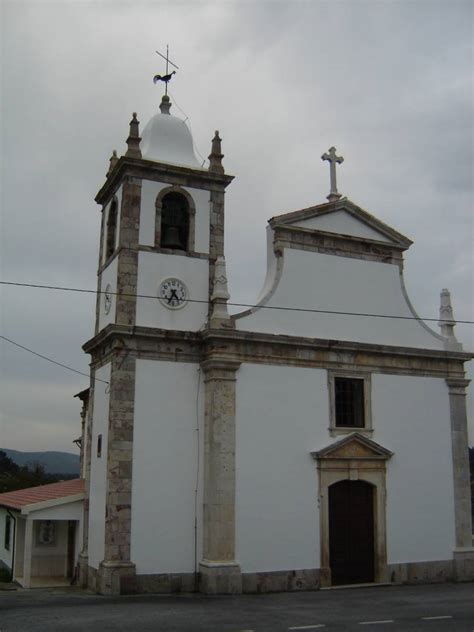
<point x="437" y="608"/>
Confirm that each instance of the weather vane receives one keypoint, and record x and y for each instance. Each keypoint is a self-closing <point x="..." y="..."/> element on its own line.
<point x="167" y="77"/>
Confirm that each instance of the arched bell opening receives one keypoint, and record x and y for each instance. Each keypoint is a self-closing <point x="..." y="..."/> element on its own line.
<point x="174" y="233"/>
<point x="111" y="234"/>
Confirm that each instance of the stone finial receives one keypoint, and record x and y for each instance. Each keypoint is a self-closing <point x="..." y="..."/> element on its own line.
<point x="220" y="295"/>
<point x="165" y="104"/>
<point x="330" y="155"/>
<point x="216" y="155"/>
<point x="133" y="140"/>
<point x="446" y="320"/>
<point x="113" y="161"/>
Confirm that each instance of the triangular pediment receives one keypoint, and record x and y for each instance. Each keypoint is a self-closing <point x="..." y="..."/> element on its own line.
<point x="354" y="446"/>
<point x="342" y="218"/>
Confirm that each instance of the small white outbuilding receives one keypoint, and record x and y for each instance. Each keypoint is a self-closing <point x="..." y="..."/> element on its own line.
<point x="41" y="533"/>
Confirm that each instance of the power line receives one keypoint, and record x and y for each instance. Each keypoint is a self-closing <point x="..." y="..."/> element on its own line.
<point x="64" y="366"/>
<point x="247" y="305"/>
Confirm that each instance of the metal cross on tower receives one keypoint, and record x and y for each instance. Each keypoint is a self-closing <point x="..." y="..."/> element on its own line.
<point x="333" y="159"/>
<point x="166" y="77"/>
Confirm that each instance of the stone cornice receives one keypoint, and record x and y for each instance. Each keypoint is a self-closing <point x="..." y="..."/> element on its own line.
<point x="343" y="204"/>
<point x="299" y="238"/>
<point x="162" y="172"/>
<point x="257" y="348"/>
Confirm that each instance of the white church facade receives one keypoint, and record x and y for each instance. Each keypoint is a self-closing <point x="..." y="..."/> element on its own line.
<point x="273" y="449"/>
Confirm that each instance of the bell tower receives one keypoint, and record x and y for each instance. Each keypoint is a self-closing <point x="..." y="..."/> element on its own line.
<point x="162" y="240"/>
<point x="162" y="219"/>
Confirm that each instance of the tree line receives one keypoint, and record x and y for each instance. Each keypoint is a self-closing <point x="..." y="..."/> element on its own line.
<point x="13" y="476"/>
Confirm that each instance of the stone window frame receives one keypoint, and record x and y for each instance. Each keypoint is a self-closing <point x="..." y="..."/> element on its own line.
<point x="112" y="205"/>
<point x="192" y="219"/>
<point x="366" y="376"/>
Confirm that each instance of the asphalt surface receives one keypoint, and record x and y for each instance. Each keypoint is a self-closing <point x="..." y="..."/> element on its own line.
<point x="435" y="608"/>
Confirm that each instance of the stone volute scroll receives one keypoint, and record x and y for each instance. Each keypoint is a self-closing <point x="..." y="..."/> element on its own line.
<point x="447" y="322"/>
<point x="133" y="140"/>
<point x="220" y="295"/>
<point x="216" y="155"/>
<point x="331" y="157"/>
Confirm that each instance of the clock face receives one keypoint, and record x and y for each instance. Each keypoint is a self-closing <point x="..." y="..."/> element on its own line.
<point x="173" y="293"/>
<point x="108" y="298"/>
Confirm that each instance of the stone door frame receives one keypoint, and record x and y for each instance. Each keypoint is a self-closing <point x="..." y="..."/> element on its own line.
<point x="353" y="458"/>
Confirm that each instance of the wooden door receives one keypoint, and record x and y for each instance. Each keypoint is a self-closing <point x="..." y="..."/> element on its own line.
<point x="351" y="532"/>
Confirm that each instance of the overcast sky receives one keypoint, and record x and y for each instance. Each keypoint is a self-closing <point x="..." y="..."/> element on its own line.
<point x="389" y="83"/>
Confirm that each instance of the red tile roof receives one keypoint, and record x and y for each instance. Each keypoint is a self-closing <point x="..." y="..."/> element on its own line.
<point x="31" y="495"/>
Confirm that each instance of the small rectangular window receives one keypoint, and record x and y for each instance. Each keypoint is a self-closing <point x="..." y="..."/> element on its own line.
<point x="8" y="530"/>
<point x="99" y="446"/>
<point x="349" y="395"/>
<point x="349" y="402"/>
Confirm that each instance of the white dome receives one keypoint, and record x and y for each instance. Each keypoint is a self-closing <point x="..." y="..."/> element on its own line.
<point x="167" y="138"/>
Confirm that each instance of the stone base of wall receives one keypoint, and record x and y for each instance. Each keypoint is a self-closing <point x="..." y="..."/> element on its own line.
<point x="464" y="565"/>
<point x="421" y="572"/>
<point x="92" y="579"/>
<point x="220" y="578"/>
<point x="281" y="581"/>
<point x="168" y="583"/>
<point x="116" y="578"/>
<point x="229" y="580"/>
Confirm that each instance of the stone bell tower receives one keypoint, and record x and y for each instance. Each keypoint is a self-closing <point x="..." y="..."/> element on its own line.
<point x="162" y="235"/>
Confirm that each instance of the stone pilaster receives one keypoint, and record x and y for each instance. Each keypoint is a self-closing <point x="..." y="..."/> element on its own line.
<point x="117" y="571"/>
<point x="464" y="552"/>
<point x="128" y="252"/>
<point x="99" y="277"/>
<point x="220" y="573"/>
<point x="83" y="558"/>
<point x="216" y="235"/>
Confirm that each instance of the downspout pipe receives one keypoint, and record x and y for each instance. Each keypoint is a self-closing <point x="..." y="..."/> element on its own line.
<point x="13" y="542"/>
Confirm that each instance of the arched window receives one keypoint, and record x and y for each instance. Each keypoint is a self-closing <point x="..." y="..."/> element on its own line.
<point x="111" y="229"/>
<point x="174" y="222"/>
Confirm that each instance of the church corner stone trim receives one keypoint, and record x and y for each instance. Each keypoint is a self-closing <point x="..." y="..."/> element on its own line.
<point x="464" y="552"/>
<point x="219" y="571"/>
<point x="117" y="562"/>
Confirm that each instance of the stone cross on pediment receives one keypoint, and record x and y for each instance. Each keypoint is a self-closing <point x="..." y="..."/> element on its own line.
<point x="330" y="155"/>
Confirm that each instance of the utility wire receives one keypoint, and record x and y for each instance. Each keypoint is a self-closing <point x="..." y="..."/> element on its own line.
<point x="65" y="366"/>
<point x="248" y="305"/>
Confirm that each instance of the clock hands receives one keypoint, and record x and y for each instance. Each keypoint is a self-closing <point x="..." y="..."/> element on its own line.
<point x="172" y="295"/>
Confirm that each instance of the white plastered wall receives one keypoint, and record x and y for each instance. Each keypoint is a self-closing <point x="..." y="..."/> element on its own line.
<point x="411" y="418"/>
<point x="282" y="415"/>
<point x="165" y="462"/>
<point x="201" y="197"/>
<point x="153" y="268"/>
<point x="6" y="554"/>
<point x="313" y="280"/>
<point x="98" y="484"/>
<point x="108" y="277"/>
<point x="342" y="222"/>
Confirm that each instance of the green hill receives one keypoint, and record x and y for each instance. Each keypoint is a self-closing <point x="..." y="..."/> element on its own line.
<point x="53" y="462"/>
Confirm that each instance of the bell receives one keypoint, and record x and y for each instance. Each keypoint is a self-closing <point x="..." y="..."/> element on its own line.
<point x="171" y="238"/>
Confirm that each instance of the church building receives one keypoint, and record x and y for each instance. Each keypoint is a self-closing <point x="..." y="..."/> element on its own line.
<point x="298" y="444"/>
